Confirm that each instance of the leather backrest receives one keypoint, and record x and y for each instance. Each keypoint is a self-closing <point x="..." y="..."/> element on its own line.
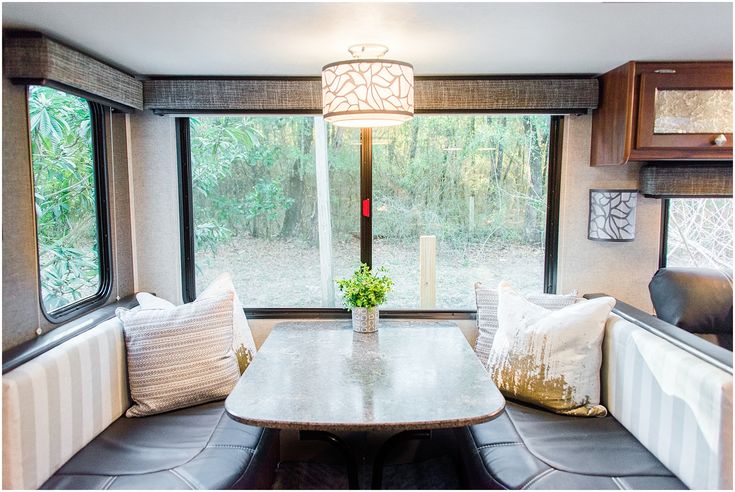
<point x="59" y="401"/>
<point x="698" y="300"/>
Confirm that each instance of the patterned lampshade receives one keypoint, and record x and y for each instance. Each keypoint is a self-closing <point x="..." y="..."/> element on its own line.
<point x="367" y="92"/>
<point x="612" y="215"/>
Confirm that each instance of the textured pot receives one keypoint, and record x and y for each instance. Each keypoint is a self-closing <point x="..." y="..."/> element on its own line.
<point x="365" y="320"/>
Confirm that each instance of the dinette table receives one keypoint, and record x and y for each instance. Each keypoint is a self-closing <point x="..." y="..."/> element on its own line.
<point x="321" y="377"/>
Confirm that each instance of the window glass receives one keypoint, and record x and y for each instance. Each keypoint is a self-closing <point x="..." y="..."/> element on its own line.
<point x="62" y="152"/>
<point x="476" y="186"/>
<point x="256" y="202"/>
<point x="699" y="233"/>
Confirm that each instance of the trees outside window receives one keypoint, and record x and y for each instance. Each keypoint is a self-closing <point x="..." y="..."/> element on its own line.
<point x="62" y="155"/>
<point x="699" y="233"/>
<point x="477" y="184"/>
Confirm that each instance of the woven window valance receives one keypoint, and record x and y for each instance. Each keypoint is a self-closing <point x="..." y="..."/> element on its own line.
<point x="32" y="58"/>
<point x="669" y="180"/>
<point x="433" y="94"/>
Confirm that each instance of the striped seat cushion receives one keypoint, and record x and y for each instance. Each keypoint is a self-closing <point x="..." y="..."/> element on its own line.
<point x="677" y="405"/>
<point x="58" y="402"/>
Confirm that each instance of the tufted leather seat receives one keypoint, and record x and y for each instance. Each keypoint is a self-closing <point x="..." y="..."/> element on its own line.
<point x="529" y="448"/>
<point x="194" y="448"/>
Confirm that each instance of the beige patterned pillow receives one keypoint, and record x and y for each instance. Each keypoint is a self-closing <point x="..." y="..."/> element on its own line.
<point x="487" y="314"/>
<point x="242" y="337"/>
<point x="550" y="358"/>
<point x="181" y="356"/>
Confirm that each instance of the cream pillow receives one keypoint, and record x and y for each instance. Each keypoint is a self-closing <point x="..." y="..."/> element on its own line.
<point x="242" y="337"/>
<point x="487" y="314"/>
<point x="550" y="358"/>
<point x="181" y="356"/>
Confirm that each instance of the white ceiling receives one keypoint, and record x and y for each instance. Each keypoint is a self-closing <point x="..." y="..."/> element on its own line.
<point x="438" y="38"/>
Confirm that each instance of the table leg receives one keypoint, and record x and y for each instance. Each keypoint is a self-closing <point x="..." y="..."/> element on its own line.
<point x="382" y="453"/>
<point x="351" y="462"/>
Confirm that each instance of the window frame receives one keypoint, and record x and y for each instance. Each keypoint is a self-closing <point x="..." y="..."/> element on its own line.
<point x="663" y="250"/>
<point x="186" y="217"/>
<point x="104" y="247"/>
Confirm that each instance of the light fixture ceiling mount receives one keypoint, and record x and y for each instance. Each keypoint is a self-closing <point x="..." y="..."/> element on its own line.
<point x="367" y="91"/>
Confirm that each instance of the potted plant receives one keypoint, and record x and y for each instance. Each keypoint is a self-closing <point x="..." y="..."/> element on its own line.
<point x="363" y="293"/>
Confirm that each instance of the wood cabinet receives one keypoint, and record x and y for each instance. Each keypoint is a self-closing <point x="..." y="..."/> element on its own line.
<point x="663" y="111"/>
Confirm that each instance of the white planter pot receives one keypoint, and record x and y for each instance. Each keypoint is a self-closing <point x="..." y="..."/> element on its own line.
<point x="365" y="320"/>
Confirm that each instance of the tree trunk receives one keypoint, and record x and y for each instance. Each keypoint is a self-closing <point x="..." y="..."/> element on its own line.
<point x="532" y="232"/>
<point x="295" y="184"/>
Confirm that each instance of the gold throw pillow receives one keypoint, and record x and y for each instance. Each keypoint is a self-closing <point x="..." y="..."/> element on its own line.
<point x="550" y="358"/>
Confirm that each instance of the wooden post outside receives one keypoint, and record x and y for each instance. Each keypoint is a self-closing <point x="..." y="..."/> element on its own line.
<point x="324" y="213"/>
<point x="471" y="213"/>
<point x="427" y="275"/>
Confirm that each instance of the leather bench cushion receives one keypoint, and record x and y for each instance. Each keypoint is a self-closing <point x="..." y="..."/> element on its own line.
<point x="531" y="448"/>
<point x="194" y="448"/>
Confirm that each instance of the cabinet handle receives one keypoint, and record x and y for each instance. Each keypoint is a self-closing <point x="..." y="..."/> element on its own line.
<point x="665" y="70"/>
<point x="720" y="140"/>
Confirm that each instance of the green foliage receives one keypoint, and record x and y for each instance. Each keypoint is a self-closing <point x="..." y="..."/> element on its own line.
<point x="365" y="288"/>
<point x="238" y="172"/>
<point x="63" y="171"/>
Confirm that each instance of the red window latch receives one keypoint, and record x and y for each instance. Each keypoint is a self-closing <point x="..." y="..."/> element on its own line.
<point x="366" y="207"/>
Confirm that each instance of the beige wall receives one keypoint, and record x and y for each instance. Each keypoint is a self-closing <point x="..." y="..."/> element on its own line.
<point x="622" y="270"/>
<point x="22" y="314"/>
<point x="20" y="280"/>
<point x="155" y="187"/>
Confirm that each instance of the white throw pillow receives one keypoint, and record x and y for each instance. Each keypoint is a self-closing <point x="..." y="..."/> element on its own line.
<point x="149" y="301"/>
<point x="242" y="337"/>
<point x="550" y="358"/>
<point x="487" y="314"/>
<point x="181" y="356"/>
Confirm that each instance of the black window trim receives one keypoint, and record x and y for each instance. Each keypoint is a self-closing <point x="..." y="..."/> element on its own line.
<point x="663" y="249"/>
<point x="99" y="149"/>
<point x="186" y="214"/>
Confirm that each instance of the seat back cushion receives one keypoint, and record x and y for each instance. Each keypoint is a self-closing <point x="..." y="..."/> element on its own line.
<point x="676" y="404"/>
<point x="699" y="300"/>
<point x="58" y="402"/>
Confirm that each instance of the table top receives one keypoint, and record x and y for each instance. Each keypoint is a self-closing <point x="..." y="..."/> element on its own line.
<point x="323" y="376"/>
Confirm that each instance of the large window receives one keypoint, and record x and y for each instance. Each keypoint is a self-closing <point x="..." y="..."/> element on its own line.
<point x="69" y="197"/>
<point x="698" y="233"/>
<point x="276" y="201"/>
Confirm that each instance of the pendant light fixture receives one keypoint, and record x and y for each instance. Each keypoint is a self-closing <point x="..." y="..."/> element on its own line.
<point x="367" y="91"/>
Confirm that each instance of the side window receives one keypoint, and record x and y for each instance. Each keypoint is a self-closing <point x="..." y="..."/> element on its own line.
<point x="698" y="233"/>
<point x="70" y="200"/>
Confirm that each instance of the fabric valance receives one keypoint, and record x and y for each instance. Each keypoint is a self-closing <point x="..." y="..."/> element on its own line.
<point x="302" y="95"/>
<point x="32" y="58"/>
<point x="681" y="180"/>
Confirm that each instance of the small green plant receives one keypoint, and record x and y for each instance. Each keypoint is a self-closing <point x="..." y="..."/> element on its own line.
<point x="365" y="289"/>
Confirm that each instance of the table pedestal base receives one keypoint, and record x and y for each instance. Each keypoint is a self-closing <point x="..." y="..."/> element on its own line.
<point x="350" y="461"/>
<point x="382" y="453"/>
<point x="349" y="456"/>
